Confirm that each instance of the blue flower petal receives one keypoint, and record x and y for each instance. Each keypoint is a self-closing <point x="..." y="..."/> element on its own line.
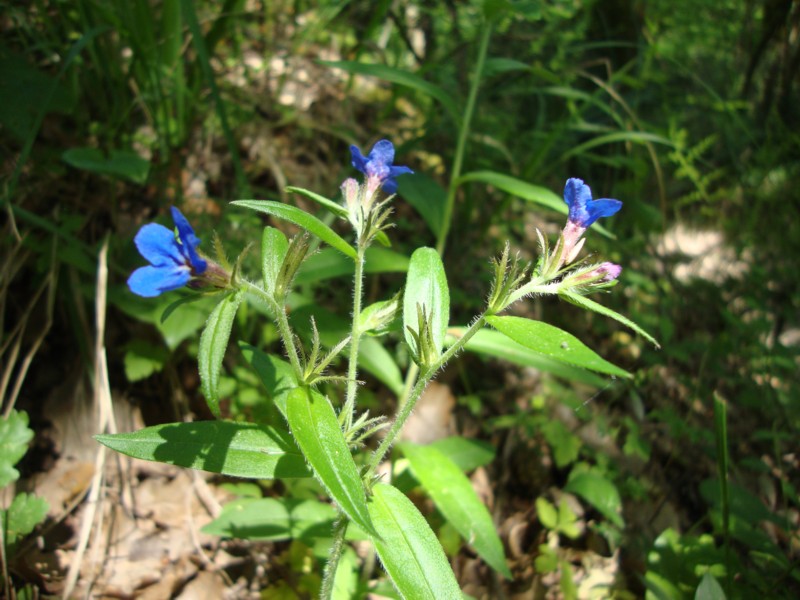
<point x="157" y="245"/>
<point x="602" y="207"/>
<point x="359" y="160"/>
<point x="152" y="281"/>
<point x="389" y="186"/>
<point x="583" y="211"/>
<point x="189" y="240"/>
<point x="380" y="159"/>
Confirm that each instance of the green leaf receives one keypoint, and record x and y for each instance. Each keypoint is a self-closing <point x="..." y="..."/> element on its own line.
<point x="142" y="359"/>
<point x="527" y="191"/>
<point x="121" y="164"/>
<point x="426" y="196"/>
<point x="553" y="342"/>
<point x="24" y="514"/>
<point x="302" y="219"/>
<point x="275" y="373"/>
<point x="273" y="250"/>
<point x="14" y="438"/>
<point x="600" y="492"/>
<point x="519" y="188"/>
<point x="316" y="429"/>
<point x="328" y="263"/>
<point x="235" y="449"/>
<point x="400" y="77"/>
<point x="337" y="209"/>
<point x="547" y="513"/>
<point x="499" y="65"/>
<point x="456" y="499"/>
<point x="494" y="343"/>
<point x="589" y="304"/>
<point x="408" y="548"/>
<point x="273" y="519"/>
<point x="213" y="343"/>
<point x="709" y="589"/>
<point x="465" y="453"/>
<point x="426" y="285"/>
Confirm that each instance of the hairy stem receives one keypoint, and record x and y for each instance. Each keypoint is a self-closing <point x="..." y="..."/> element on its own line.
<point x="284" y="328"/>
<point x="355" y="339"/>
<point x="329" y="575"/>
<point x="416" y="393"/>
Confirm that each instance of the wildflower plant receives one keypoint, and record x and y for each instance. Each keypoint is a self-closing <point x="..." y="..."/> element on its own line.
<point x="334" y="439"/>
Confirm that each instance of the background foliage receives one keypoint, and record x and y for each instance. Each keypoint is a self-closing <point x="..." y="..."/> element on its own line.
<point x="686" y="111"/>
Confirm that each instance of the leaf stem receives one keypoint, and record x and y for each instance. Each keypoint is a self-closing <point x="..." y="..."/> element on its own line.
<point x="416" y="393"/>
<point x="458" y="160"/>
<point x="284" y="328"/>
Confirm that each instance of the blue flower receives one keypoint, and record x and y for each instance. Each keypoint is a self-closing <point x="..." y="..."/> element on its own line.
<point x="583" y="211"/>
<point x="378" y="165"/>
<point x="173" y="262"/>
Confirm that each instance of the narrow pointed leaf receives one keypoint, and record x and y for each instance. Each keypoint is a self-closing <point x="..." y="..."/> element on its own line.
<point x="225" y="447"/>
<point x="456" y="499"/>
<point x="553" y="342"/>
<point x="408" y="548"/>
<point x="302" y="219"/>
<point x="589" y="304"/>
<point x="273" y="250"/>
<point x="337" y="209"/>
<point x="316" y="430"/>
<point x="213" y="342"/>
<point x="426" y="285"/>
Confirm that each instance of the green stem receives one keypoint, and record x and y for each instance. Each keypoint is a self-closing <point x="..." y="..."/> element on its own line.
<point x="355" y="339"/>
<point x="535" y="286"/>
<point x="455" y="173"/>
<point x="416" y="393"/>
<point x="329" y="575"/>
<point x="284" y="328"/>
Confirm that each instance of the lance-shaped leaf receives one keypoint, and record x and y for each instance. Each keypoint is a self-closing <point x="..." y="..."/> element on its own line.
<point x="553" y="342"/>
<point x="316" y="430"/>
<point x="213" y="342"/>
<point x="456" y="499"/>
<point x="273" y="250"/>
<point x="236" y="449"/>
<point x="408" y="548"/>
<point x="426" y="287"/>
<point x="302" y="219"/>
<point x="590" y="304"/>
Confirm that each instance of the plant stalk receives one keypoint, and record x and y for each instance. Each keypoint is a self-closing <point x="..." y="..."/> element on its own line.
<point x="355" y="339"/>
<point x="416" y="393"/>
<point x="284" y="328"/>
<point x="458" y="160"/>
<point x="329" y="574"/>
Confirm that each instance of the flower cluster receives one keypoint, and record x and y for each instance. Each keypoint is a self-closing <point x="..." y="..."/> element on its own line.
<point x="364" y="213"/>
<point x="377" y="166"/>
